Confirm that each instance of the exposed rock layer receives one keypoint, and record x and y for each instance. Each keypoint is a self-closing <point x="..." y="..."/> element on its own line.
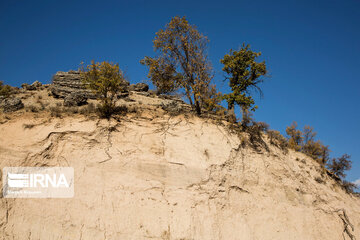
<point x="65" y="83"/>
<point x="11" y="104"/>
<point x="168" y="178"/>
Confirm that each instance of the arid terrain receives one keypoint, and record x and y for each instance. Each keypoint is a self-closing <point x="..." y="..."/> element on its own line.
<point x="153" y="174"/>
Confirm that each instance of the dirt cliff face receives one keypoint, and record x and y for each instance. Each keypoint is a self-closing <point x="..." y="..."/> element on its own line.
<point x="162" y="177"/>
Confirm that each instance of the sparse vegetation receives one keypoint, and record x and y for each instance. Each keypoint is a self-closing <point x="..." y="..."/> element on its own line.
<point x="55" y="111"/>
<point x="88" y="109"/>
<point x="32" y="108"/>
<point x="277" y="139"/>
<point x="339" y="165"/>
<point x="304" y="141"/>
<point x="28" y="126"/>
<point x="254" y="131"/>
<point x="295" y="138"/>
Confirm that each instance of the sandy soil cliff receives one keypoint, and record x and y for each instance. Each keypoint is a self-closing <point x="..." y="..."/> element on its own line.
<point x="167" y="178"/>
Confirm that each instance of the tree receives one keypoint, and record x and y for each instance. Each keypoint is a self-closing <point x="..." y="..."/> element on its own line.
<point x="304" y="141"/>
<point x="181" y="62"/>
<point x="312" y="148"/>
<point x="244" y="75"/>
<point x="105" y="80"/>
<point x="295" y="138"/>
<point x="339" y="165"/>
<point x="163" y="76"/>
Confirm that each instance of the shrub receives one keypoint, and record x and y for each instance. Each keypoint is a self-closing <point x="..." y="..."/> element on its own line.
<point x="211" y="99"/>
<point x="88" y="109"/>
<point x="255" y="130"/>
<point x="55" y="111"/>
<point x="277" y="139"/>
<point x="5" y="90"/>
<point x="106" y="80"/>
<point x="304" y="141"/>
<point x="349" y="186"/>
<point x="339" y="165"/>
<point x="28" y="126"/>
<point x="33" y="109"/>
<point x="295" y="138"/>
<point x="312" y="148"/>
<point x="42" y="105"/>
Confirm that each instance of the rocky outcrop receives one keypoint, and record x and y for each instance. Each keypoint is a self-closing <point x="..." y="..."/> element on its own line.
<point x="65" y="83"/>
<point x="139" y="87"/>
<point x="11" y="104"/>
<point x="28" y="87"/>
<point x="75" y="99"/>
<point x="36" y="84"/>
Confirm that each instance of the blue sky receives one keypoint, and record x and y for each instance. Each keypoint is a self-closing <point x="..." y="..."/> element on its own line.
<point x="311" y="48"/>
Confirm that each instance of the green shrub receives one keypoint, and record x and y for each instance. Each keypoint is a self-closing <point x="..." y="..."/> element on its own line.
<point x="5" y="90"/>
<point x="106" y="80"/>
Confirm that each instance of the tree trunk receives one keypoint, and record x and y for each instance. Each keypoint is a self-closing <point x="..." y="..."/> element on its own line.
<point x="197" y="107"/>
<point x="231" y="113"/>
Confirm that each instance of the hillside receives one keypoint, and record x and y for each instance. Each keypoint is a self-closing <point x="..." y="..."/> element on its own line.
<point x="149" y="174"/>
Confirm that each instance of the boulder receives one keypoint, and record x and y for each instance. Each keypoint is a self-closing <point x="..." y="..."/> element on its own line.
<point x="139" y="87"/>
<point x="172" y="107"/>
<point x="36" y="84"/>
<point x="66" y="83"/>
<point x="11" y="104"/>
<point x="75" y="99"/>
<point x="28" y="87"/>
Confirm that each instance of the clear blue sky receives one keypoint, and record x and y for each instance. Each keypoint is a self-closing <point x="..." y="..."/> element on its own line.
<point x="311" y="48"/>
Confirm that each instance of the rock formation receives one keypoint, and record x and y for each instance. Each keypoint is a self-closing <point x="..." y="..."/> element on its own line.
<point x="75" y="99"/>
<point x="139" y="87"/>
<point x="11" y="104"/>
<point x="65" y="83"/>
<point x="28" y="87"/>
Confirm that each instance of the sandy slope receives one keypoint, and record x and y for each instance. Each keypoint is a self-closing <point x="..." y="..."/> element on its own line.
<point x="167" y="178"/>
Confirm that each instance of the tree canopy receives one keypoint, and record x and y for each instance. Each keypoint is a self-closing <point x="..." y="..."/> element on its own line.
<point x="182" y="63"/>
<point x="105" y="79"/>
<point x="244" y="74"/>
